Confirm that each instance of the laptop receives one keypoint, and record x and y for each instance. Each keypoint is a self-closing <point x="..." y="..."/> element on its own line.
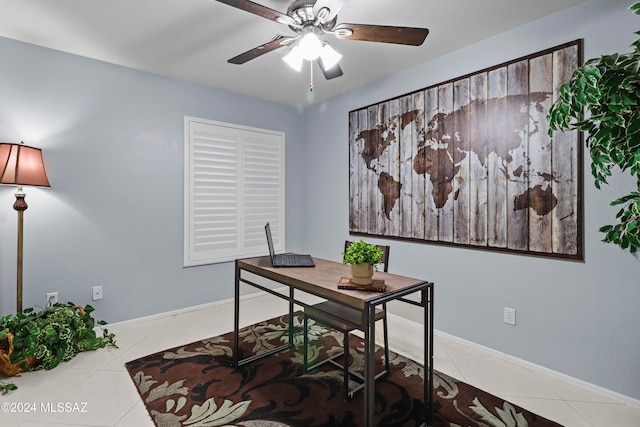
<point x="286" y="260"/>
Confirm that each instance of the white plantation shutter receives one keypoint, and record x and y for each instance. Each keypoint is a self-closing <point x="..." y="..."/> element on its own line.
<point x="234" y="184"/>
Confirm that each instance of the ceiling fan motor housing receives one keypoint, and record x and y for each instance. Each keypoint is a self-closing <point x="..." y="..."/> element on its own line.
<point x="302" y="12"/>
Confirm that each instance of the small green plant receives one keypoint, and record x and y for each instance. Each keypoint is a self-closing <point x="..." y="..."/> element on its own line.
<point x="362" y="252"/>
<point x="33" y="340"/>
<point x="608" y="89"/>
<point x="5" y="388"/>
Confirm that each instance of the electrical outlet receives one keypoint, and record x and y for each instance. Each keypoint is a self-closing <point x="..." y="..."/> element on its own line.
<point x="52" y="298"/>
<point x="97" y="293"/>
<point x="510" y="316"/>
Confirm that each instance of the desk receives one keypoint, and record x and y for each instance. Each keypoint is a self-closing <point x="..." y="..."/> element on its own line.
<point x="322" y="281"/>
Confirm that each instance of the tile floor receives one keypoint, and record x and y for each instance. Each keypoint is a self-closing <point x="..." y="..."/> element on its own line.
<point x="98" y="391"/>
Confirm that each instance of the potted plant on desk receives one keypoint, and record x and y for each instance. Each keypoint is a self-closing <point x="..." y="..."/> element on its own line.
<point x="363" y="257"/>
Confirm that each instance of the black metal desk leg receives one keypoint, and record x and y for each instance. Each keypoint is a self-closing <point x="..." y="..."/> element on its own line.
<point x="369" y="365"/>
<point x="427" y="302"/>
<point x="236" y="316"/>
<point x="291" y="316"/>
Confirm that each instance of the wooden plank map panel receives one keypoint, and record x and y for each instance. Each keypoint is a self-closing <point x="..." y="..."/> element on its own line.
<point x="468" y="162"/>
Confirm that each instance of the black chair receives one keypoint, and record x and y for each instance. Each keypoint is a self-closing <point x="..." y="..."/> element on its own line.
<point x="345" y="320"/>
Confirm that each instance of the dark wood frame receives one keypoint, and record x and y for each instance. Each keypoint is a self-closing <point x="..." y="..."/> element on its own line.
<point x="468" y="162"/>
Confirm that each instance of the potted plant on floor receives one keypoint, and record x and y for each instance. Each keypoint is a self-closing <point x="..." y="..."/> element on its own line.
<point x="363" y="257"/>
<point x="608" y="89"/>
<point x="32" y="340"/>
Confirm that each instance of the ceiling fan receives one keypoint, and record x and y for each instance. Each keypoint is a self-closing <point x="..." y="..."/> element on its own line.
<point x="309" y="20"/>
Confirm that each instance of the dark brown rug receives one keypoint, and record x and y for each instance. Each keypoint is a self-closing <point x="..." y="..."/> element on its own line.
<point x="195" y="385"/>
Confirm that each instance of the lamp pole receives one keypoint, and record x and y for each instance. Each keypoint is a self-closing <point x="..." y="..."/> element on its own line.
<point x="20" y="206"/>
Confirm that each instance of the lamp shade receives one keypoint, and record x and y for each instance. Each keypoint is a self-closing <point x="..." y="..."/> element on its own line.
<point x="22" y="165"/>
<point x="310" y="46"/>
<point x="294" y="58"/>
<point x="329" y="57"/>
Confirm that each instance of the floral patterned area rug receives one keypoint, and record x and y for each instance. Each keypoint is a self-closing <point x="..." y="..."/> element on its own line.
<point x="195" y="385"/>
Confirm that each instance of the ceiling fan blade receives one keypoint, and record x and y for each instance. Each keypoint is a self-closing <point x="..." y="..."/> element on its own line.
<point x="332" y="8"/>
<point x="276" y="43"/>
<point x="381" y="33"/>
<point x="263" y="11"/>
<point x="332" y="72"/>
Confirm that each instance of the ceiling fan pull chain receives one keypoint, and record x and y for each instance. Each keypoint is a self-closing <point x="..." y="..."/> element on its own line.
<point x="310" y="93"/>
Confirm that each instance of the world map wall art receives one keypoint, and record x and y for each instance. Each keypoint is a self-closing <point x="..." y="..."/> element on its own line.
<point x="469" y="162"/>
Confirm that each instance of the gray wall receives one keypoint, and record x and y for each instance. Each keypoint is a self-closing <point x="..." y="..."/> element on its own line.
<point x="112" y="139"/>
<point x="581" y="319"/>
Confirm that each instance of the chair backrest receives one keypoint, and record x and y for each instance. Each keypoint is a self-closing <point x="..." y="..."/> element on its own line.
<point x="385" y="254"/>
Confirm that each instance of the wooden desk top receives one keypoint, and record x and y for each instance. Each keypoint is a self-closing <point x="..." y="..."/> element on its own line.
<point x="322" y="280"/>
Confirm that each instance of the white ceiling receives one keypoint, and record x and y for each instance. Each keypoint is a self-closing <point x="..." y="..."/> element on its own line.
<point x="191" y="40"/>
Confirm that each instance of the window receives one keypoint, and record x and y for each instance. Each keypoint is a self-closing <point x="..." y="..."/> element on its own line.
<point x="233" y="186"/>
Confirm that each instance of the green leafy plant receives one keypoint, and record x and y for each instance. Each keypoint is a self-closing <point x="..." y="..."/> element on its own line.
<point x="362" y="252"/>
<point x="608" y="90"/>
<point x="5" y="388"/>
<point x="33" y="340"/>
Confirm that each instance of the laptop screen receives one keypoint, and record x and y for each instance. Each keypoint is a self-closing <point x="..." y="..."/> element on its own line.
<point x="272" y="251"/>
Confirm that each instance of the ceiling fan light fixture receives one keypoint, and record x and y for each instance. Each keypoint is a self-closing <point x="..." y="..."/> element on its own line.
<point x="329" y="57"/>
<point x="310" y="46"/>
<point x="294" y="58"/>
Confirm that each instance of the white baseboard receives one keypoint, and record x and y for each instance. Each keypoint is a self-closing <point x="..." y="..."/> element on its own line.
<point x="515" y="360"/>
<point x="183" y="310"/>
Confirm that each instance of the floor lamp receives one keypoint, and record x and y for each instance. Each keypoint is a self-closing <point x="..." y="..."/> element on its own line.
<point x="21" y="165"/>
